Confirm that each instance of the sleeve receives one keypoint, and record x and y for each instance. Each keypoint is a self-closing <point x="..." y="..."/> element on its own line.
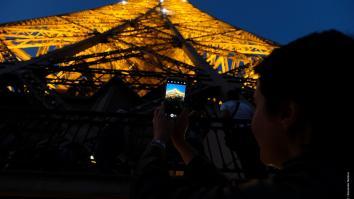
<point x="151" y="179"/>
<point x="202" y="180"/>
<point x="201" y="171"/>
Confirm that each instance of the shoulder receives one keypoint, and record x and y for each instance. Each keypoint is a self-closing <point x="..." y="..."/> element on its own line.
<point x="245" y="103"/>
<point x="227" y="105"/>
<point x="230" y="103"/>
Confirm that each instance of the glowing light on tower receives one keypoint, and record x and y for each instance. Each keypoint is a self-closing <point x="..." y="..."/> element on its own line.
<point x="164" y="11"/>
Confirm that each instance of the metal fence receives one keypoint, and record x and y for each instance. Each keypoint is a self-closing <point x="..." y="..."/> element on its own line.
<point x="98" y="142"/>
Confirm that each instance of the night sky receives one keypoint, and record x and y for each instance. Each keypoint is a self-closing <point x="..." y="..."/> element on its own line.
<point x="278" y="20"/>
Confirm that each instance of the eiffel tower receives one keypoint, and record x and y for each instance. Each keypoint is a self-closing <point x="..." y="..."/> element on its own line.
<point x="106" y="68"/>
<point x="140" y="42"/>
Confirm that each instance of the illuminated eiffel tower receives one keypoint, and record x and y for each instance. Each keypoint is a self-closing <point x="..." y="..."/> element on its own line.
<point x="138" y="42"/>
<point x="106" y="68"/>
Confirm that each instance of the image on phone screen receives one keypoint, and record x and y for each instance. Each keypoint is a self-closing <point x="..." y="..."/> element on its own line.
<point x="174" y="96"/>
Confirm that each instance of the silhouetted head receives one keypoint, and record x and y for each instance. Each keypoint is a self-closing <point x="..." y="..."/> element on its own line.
<point x="234" y="94"/>
<point x="302" y="99"/>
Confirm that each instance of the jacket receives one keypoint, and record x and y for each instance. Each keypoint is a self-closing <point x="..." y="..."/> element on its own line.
<point x="302" y="177"/>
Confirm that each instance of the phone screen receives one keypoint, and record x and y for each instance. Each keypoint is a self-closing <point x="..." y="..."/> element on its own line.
<point x="174" y="96"/>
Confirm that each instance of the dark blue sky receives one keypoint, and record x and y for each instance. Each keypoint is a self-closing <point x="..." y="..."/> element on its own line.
<point x="278" y="20"/>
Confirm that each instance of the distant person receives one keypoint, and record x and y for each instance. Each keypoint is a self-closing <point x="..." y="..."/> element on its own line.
<point x="236" y="108"/>
<point x="301" y="123"/>
<point x="237" y="115"/>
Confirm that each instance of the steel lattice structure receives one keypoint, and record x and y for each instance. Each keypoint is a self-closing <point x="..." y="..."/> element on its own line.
<point x="77" y="91"/>
<point x="139" y="41"/>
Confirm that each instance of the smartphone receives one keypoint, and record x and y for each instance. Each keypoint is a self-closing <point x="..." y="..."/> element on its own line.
<point x="175" y="96"/>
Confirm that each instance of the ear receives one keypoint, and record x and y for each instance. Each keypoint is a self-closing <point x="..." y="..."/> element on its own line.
<point x="289" y="114"/>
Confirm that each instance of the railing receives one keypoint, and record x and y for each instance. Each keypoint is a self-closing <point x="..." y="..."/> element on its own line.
<point x="43" y="140"/>
<point x="94" y="142"/>
<point x="95" y="145"/>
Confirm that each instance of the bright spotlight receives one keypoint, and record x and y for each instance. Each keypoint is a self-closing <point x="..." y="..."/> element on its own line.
<point x="164" y="11"/>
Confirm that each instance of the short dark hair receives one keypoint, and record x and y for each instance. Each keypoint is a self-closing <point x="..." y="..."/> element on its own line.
<point x="234" y="94"/>
<point x="314" y="72"/>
